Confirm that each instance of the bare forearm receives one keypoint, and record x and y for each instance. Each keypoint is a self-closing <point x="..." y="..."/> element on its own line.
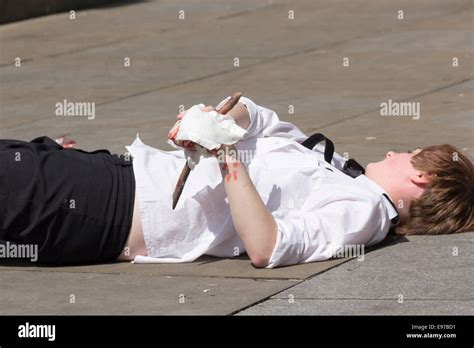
<point x="253" y="222"/>
<point x="240" y="115"/>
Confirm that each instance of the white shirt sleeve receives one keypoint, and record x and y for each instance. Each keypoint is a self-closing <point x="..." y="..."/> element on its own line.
<point x="265" y="123"/>
<point x="307" y="236"/>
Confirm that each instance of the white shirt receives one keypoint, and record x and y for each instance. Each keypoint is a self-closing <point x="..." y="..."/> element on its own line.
<point x="317" y="208"/>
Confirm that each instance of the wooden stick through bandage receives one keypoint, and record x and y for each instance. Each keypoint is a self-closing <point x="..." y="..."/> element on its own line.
<point x="186" y="170"/>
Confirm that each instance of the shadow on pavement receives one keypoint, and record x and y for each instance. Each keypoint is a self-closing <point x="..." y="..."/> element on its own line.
<point x="14" y="10"/>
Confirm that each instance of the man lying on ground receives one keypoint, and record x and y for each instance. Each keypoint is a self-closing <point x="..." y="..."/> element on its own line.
<point x="267" y="195"/>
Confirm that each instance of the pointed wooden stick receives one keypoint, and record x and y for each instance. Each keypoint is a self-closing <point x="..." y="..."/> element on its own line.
<point x="186" y="170"/>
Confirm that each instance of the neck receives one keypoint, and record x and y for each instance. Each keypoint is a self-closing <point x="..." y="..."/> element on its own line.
<point x="394" y="196"/>
<point x="382" y="184"/>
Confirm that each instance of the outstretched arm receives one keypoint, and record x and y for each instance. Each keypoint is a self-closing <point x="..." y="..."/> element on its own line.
<point x="259" y="121"/>
<point x="254" y="224"/>
<point x="263" y="122"/>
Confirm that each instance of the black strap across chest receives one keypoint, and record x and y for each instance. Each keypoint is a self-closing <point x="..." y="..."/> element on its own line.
<point x="315" y="139"/>
<point x="351" y="166"/>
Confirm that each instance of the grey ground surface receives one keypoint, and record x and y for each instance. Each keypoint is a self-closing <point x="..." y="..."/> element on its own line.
<point x="283" y="62"/>
<point x="425" y="275"/>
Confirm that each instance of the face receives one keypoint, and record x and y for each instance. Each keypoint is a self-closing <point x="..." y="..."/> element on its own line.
<point x="395" y="166"/>
<point x="399" y="178"/>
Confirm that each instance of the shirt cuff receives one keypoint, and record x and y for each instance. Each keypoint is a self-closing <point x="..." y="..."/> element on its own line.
<point x="252" y="109"/>
<point x="253" y="115"/>
<point x="288" y="247"/>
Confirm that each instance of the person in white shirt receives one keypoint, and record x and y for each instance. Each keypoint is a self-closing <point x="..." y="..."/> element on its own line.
<point x="278" y="201"/>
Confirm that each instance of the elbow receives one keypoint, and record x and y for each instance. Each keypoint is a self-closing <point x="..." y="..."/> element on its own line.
<point x="259" y="260"/>
<point x="260" y="250"/>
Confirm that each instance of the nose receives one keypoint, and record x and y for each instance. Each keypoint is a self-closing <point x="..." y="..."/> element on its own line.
<point x="390" y="154"/>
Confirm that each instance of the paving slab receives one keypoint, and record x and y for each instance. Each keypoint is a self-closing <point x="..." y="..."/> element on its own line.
<point x="50" y="293"/>
<point x="83" y="65"/>
<point x="178" y="68"/>
<point x="57" y="35"/>
<point x="157" y="282"/>
<point x="446" y="117"/>
<point x="205" y="267"/>
<point x="282" y="62"/>
<point x="424" y="275"/>
<point x="361" y="307"/>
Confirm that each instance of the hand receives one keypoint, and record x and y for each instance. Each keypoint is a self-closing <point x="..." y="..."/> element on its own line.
<point x="172" y="134"/>
<point x="61" y="140"/>
<point x="192" y="151"/>
<point x="207" y="128"/>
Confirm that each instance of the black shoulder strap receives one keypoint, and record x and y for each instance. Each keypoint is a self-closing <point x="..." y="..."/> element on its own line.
<point x="315" y="139"/>
<point x="351" y="166"/>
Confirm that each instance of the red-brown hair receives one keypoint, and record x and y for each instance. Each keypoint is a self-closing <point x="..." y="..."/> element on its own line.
<point x="447" y="204"/>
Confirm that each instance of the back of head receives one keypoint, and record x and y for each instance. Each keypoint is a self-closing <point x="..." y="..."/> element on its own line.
<point x="447" y="204"/>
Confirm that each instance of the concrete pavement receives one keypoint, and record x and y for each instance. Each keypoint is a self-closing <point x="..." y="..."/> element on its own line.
<point x="333" y="63"/>
<point x="426" y="275"/>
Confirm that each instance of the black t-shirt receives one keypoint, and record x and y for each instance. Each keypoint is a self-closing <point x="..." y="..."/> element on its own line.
<point x="77" y="206"/>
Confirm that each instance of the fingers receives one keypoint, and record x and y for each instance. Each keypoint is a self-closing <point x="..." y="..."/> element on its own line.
<point x="70" y="144"/>
<point x="189" y="145"/>
<point x="215" y="152"/>
<point x="61" y="140"/>
<point x="174" y="131"/>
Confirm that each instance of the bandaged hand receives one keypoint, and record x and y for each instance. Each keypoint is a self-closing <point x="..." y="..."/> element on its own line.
<point x="206" y="128"/>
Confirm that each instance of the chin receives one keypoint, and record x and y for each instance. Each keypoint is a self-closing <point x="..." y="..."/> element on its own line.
<point x="368" y="167"/>
<point x="374" y="167"/>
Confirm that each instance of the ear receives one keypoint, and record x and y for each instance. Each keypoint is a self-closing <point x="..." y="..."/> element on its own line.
<point x="421" y="178"/>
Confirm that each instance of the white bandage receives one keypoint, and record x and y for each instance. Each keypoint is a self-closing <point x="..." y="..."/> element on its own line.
<point x="208" y="129"/>
<point x="193" y="157"/>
